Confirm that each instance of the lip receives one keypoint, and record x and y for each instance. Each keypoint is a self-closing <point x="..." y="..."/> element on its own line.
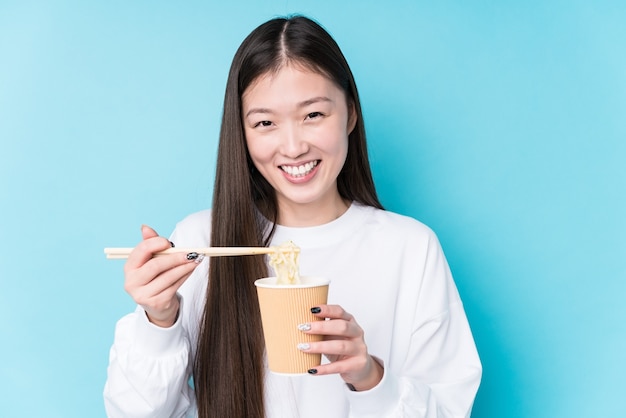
<point x="300" y="179"/>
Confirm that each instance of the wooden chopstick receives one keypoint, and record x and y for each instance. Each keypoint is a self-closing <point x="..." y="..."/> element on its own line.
<point x="121" y="253"/>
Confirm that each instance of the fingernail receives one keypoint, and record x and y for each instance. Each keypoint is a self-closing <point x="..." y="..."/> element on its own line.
<point x="312" y="371"/>
<point x="172" y="244"/>
<point x="316" y="310"/>
<point x="304" y="327"/>
<point x="197" y="258"/>
<point x="304" y="346"/>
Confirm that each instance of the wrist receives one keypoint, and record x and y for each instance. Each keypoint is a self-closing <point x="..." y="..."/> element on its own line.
<point x="165" y="319"/>
<point x="371" y="380"/>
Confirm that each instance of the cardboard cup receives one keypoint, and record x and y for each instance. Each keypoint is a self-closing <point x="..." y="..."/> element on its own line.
<point x="283" y="308"/>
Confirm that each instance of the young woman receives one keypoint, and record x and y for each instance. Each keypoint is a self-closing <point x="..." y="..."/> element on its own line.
<point x="292" y="165"/>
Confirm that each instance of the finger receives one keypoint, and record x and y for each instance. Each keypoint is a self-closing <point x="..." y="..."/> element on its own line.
<point x="331" y="311"/>
<point x="155" y="300"/>
<point x="170" y="280"/>
<point x="147" y="232"/>
<point x="158" y="266"/>
<point x="334" y="327"/>
<point x="145" y="250"/>
<point x="335" y="348"/>
<point x="342" y="367"/>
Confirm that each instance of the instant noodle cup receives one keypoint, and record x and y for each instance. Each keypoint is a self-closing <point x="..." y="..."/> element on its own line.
<point x="283" y="308"/>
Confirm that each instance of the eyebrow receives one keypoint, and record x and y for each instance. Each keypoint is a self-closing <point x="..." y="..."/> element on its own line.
<point x="300" y="105"/>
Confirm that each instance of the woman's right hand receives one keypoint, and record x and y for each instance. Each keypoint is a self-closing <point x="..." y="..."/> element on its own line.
<point x="153" y="281"/>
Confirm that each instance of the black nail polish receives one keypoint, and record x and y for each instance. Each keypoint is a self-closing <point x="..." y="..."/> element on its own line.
<point x="316" y="310"/>
<point x="192" y="256"/>
<point x="312" y="371"/>
<point x="172" y="244"/>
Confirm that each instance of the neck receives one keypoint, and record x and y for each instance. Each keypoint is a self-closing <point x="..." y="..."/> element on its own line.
<point x="302" y="215"/>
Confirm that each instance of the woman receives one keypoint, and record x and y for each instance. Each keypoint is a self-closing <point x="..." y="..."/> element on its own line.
<point x="293" y="165"/>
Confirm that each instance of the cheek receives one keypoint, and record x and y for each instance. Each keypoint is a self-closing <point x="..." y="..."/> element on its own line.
<point x="251" y="143"/>
<point x="258" y="152"/>
<point x="337" y="141"/>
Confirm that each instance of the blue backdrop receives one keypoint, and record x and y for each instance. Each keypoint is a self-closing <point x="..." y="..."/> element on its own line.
<point x="502" y="125"/>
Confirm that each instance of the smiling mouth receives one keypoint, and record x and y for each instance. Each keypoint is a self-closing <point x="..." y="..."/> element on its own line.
<point x="299" y="170"/>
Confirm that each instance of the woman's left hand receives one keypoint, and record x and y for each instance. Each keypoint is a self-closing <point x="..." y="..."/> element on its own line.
<point x="344" y="345"/>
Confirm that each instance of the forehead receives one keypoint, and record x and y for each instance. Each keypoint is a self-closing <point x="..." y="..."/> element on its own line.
<point x="290" y="84"/>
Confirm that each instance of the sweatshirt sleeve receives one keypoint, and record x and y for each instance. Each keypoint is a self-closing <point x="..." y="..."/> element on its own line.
<point x="434" y="370"/>
<point x="149" y="370"/>
<point x="150" y="367"/>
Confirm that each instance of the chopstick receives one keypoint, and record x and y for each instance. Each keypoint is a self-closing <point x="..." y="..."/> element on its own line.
<point x="121" y="253"/>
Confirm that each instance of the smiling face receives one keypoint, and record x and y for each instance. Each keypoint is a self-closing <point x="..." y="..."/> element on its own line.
<point x="297" y="123"/>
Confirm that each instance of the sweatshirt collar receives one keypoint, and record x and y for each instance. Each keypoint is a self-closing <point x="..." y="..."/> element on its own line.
<point x="323" y="235"/>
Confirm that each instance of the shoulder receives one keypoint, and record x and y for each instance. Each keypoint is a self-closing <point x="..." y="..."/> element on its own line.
<point x="397" y="224"/>
<point x="196" y="219"/>
<point x="194" y="230"/>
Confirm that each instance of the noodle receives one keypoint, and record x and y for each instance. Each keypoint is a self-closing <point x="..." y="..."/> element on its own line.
<point x="284" y="260"/>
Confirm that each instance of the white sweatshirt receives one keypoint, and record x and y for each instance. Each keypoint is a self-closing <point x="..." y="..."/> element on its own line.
<point x="387" y="270"/>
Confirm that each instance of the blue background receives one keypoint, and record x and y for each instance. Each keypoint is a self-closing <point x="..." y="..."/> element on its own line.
<point x="502" y="125"/>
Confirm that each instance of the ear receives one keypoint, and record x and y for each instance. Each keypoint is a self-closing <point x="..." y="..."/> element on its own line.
<point x="352" y="116"/>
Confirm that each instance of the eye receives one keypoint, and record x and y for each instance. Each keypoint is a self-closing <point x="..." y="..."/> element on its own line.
<point x="314" y="115"/>
<point x="263" y="124"/>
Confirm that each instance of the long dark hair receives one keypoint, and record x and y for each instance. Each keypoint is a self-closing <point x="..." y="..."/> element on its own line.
<point x="228" y="371"/>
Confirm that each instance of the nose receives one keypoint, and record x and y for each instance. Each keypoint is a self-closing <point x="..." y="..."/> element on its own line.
<point x="292" y="143"/>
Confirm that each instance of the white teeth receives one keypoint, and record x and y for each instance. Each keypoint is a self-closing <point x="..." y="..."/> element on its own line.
<point x="300" y="170"/>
